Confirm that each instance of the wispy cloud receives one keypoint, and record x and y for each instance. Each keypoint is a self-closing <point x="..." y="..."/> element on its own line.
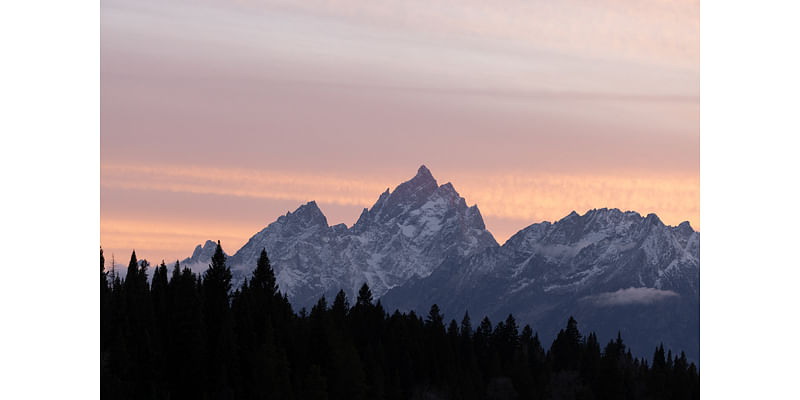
<point x="508" y="201"/>
<point x="156" y="238"/>
<point x="528" y="105"/>
<point x="630" y="296"/>
<point x="242" y="183"/>
<point x="531" y="196"/>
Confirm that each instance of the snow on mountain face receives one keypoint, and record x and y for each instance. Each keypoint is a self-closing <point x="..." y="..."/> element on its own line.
<point x="405" y="234"/>
<point x="609" y="248"/>
<point x="602" y="250"/>
<point x="421" y="244"/>
<point x="610" y="269"/>
<point x="201" y="257"/>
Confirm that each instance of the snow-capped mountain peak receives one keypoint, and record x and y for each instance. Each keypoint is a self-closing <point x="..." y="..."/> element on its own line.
<point x="605" y="262"/>
<point x="405" y="234"/>
<point x="421" y="243"/>
<point x="204" y="251"/>
<point x="308" y="215"/>
<point x="201" y="256"/>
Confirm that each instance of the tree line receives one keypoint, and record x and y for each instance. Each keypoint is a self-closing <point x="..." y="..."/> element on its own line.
<point x="182" y="335"/>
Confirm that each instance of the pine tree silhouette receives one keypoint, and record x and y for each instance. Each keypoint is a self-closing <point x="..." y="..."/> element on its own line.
<point x="186" y="336"/>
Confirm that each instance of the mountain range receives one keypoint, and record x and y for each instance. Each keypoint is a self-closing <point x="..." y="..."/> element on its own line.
<point x="421" y="244"/>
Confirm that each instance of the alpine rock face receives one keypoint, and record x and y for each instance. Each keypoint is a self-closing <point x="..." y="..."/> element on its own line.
<point x="421" y="244"/>
<point x="405" y="234"/>
<point x="201" y="257"/>
<point x="613" y="271"/>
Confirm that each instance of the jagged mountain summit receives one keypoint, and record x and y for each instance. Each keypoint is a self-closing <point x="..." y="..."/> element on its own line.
<point x="421" y="244"/>
<point x="405" y="234"/>
<point x="610" y="269"/>
<point x="201" y="256"/>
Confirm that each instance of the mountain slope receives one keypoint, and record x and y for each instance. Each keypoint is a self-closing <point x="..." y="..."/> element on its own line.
<point x="405" y="234"/>
<point x="421" y="244"/>
<point x="612" y="270"/>
<point x="201" y="257"/>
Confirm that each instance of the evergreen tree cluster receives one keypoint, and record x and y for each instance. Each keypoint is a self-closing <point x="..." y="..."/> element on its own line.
<point x="187" y="336"/>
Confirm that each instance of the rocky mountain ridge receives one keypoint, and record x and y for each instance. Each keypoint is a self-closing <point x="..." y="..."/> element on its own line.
<point x="421" y="244"/>
<point x="405" y="234"/>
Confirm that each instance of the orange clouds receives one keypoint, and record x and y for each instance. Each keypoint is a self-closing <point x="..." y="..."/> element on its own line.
<point x="508" y="201"/>
<point x="533" y="197"/>
<point x="531" y="108"/>
<point x="242" y="183"/>
<point x="520" y="195"/>
<point x="159" y="238"/>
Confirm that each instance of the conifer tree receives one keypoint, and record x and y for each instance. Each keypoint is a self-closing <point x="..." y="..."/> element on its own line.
<point x="657" y="385"/>
<point x="526" y="336"/>
<point x="364" y="296"/>
<point x="564" y="352"/>
<point x="141" y="276"/>
<point x="659" y="361"/>
<point x="263" y="297"/>
<point x="187" y="344"/>
<point x="217" y="278"/>
<point x="466" y="326"/>
<point x="452" y="330"/>
<point x="103" y="277"/>
<point x="159" y="282"/>
<point x="133" y="271"/>
<point x="485" y="328"/>
<point x="264" y="276"/>
<point x="216" y="286"/>
<point x="572" y="333"/>
<point x="176" y="270"/>
<point x="188" y="337"/>
<point x="435" y="319"/>
<point x="105" y="290"/>
<point x="512" y="329"/>
<point x="340" y="308"/>
<point x="105" y="313"/>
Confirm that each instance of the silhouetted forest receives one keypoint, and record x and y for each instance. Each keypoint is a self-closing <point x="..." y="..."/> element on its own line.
<point x="182" y="335"/>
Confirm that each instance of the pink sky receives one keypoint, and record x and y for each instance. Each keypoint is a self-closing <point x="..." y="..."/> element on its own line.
<point x="218" y="116"/>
